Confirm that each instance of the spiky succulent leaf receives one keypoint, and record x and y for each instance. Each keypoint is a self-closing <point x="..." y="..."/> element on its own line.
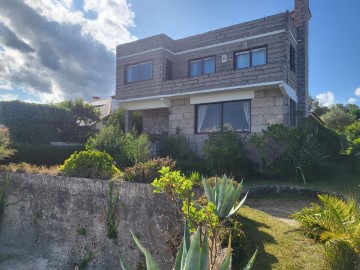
<point x="209" y="191"/>
<point x="204" y="253"/>
<point x="179" y="256"/>
<point x="217" y="191"/>
<point x="251" y="262"/>
<point x="235" y="209"/>
<point x="222" y="193"/>
<point x="225" y="264"/>
<point x="192" y="261"/>
<point x="150" y="263"/>
<point x="124" y="264"/>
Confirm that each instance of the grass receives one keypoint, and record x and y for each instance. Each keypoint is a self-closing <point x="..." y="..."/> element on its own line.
<point x="29" y="168"/>
<point x="280" y="245"/>
<point x="339" y="177"/>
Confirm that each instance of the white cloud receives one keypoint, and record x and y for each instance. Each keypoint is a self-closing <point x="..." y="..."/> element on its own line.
<point x="352" y="101"/>
<point x="326" y="99"/>
<point x="8" y="97"/>
<point x="357" y="92"/>
<point x="55" y="52"/>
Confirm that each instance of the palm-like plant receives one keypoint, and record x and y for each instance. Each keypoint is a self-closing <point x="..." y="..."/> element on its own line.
<point x="337" y="224"/>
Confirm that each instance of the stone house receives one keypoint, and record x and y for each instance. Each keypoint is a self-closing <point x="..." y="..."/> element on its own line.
<point x="242" y="77"/>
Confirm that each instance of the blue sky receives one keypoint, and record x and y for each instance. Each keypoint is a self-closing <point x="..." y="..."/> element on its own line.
<point x="56" y="50"/>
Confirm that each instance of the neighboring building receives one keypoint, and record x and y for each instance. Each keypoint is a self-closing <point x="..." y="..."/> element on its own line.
<point x="242" y="77"/>
<point x="105" y="106"/>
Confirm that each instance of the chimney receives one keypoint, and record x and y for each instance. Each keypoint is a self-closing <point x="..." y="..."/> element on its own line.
<point x="95" y="98"/>
<point x="302" y="16"/>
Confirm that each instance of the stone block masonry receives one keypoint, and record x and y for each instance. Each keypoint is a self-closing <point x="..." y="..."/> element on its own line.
<point x="43" y="214"/>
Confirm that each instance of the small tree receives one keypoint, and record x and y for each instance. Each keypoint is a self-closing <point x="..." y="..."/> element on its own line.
<point x="337" y="119"/>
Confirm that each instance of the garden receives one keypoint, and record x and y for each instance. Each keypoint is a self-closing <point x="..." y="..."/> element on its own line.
<point x="229" y="214"/>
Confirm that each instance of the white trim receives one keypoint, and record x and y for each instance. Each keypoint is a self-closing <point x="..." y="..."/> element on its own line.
<point x="287" y="90"/>
<point x="292" y="35"/>
<point x="205" y="47"/>
<point x="256" y="86"/>
<point x="143" y="105"/>
<point x="222" y="97"/>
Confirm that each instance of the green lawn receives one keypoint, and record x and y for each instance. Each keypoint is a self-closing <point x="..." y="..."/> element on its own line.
<point x="338" y="177"/>
<point x="280" y="245"/>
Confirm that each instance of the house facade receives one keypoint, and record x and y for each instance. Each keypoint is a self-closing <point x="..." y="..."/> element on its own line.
<point x="243" y="77"/>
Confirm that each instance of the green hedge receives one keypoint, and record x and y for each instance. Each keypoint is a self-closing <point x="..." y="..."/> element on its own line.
<point x="41" y="154"/>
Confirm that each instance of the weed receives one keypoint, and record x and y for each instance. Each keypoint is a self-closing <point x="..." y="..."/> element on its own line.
<point x="3" y="192"/>
<point x="85" y="260"/>
<point x="80" y="230"/>
<point x="111" y="212"/>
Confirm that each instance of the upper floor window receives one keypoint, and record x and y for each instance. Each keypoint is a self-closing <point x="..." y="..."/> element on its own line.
<point x="138" y="72"/>
<point x="250" y="58"/>
<point x="202" y="66"/>
<point x="292" y="59"/>
<point x="233" y="115"/>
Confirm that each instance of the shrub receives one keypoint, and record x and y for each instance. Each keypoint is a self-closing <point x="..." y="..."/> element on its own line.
<point x="42" y="154"/>
<point x="352" y="131"/>
<point x="225" y="154"/>
<point x="89" y="164"/>
<point x="126" y="149"/>
<point x="137" y="147"/>
<point x="337" y="225"/>
<point x="178" y="148"/>
<point x="111" y="140"/>
<point x="117" y="119"/>
<point x="289" y="152"/>
<point x="5" y="150"/>
<point x="146" y="172"/>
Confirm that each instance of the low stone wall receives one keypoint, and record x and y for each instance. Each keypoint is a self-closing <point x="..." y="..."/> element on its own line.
<point x="41" y="221"/>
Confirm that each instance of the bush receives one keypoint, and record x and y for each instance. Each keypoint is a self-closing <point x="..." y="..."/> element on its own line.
<point x="41" y="154"/>
<point x="137" y="147"/>
<point x="225" y="154"/>
<point x="126" y="149"/>
<point x="289" y="152"/>
<point x="352" y="131"/>
<point x="111" y="140"/>
<point x="89" y="164"/>
<point x="336" y="223"/>
<point x="178" y="148"/>
<point x="146" y="172"/>
<point x="5" y="151"/>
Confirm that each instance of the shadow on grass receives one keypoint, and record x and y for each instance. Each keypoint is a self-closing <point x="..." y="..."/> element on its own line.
<point x="255" y="238"/>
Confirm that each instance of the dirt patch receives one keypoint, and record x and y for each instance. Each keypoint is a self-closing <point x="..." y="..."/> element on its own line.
<point x="280" y="206"/>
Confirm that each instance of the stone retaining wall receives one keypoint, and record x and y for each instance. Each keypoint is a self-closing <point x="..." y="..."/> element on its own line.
<point x="40" y="225"/>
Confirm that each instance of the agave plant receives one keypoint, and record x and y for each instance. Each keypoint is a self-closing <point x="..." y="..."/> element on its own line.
<point x="224" y="196"/>
<point x="191" y="255"/>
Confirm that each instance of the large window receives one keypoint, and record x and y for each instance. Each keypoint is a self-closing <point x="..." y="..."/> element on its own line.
<point x="234" y="115"/>
<point x="138" y="72"/>
<point x="202" y="66"/>
<point x="292" y="59"/>
<point x="250" y="58"/>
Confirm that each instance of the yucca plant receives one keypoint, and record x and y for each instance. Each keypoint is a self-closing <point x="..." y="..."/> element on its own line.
<point x="191" y="255"/>
<point x="224" y="196"/>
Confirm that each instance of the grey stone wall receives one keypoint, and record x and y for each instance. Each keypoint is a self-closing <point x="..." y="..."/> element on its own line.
<point x="276" y="68"/>
<point x="302" y="16"/>
<point x="267" y="108"/>
<point x="156" y="121"/>
<point x="38" y="229"/>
